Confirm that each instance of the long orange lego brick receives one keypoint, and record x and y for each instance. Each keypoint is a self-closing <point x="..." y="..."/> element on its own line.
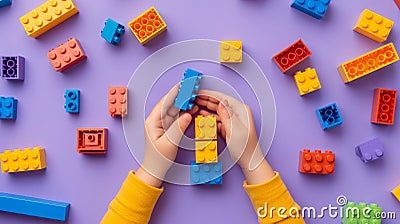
<point x="384" y="106"/>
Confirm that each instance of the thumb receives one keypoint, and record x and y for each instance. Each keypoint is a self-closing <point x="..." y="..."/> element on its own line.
<point x="224" y="112"/>
<point x="178" y="128"/>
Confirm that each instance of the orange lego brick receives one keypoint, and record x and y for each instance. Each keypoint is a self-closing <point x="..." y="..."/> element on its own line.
<point x="397" y="3"/>
<point x="396" y="192"/>
<point x="307" y="81"/>
<point x="46" y="16"/>
<point x="368" y="63"/>
<point x="383" y="106"/>
<point x="118" y="101"/>
<point x="23" y="160"/>
<point x="374" y="26"/>
<point x="92" y="140"/>
<point x="206" y="152"/>
<point x="206" y="127"/>
<point x="316" y="162"/>
<point x="291" y="56"/>
<point x="66" y="55"/>
<point x="147" y="26"/>
<point x="231" y="51"/>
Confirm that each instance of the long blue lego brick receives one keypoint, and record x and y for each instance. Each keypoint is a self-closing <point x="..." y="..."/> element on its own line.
<point x="314" y="8"/>
<point x="205" y="173"/>
<point x="34" y="206"/>
<point x="112" y="31"/>
<point x="190" y="85"/>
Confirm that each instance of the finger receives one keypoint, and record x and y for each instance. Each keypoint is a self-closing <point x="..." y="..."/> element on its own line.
<point x="194" y="110"/>
<point x="221" y="129"/>
<point x="169" y="100"/>
<point x="208" y="104"/>
<point x="175" y="132"/>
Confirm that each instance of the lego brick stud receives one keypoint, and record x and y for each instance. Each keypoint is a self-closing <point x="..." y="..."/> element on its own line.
<point x="231" y="51"/>
<point x="206" y="173"/>
<point x="384" y="106"/>
<point x="23" y="160"/>
<point x="12" y="67"/>
<point x="66" y="55"/>
<point x="291" y="56"/>
<point x="92" y="140"/>
<point x="374" y="26"/>
<point x="72" y="100"/>
<point x="188" y="90"/>
<point x="5" y="3"/>
<point x="316" y="162"/>
<point x="112" y="31"/>
<point x="118" y="101"/>
<point x="314" y="8"/>
<point x="370" y="151"/>
<point x="329" y="116"/>
<point x="307" y="81"/>
<point x="8" y="108"/>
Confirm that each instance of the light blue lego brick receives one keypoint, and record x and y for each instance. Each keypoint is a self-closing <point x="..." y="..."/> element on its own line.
<point x="329" y="116"/>
<point x="190" y="85"/>
<point x="314" y="8"/>
<point x="5" y="3"/>
<point x="72" y="101"/>
<point x="112" y="31"/>
<point x="34" y="206"/>
<point x="205" y="173"/>
<point x="8" y="108"/>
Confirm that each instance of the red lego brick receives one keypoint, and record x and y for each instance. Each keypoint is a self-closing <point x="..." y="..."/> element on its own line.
<point x="397" y="3"/>
<point x="92" y="140"/>
<point x="118" y="101"/>
<point x="66" y="55"/>
<point x="317" y="162"/>
<point x="291" y="56"/>
<point x="383" y="106"/>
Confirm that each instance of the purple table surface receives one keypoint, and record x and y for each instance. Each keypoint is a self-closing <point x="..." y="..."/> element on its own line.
<point x="265" y="27"/>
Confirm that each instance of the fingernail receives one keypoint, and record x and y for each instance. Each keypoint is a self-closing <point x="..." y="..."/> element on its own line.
<point x="187" y="117"/>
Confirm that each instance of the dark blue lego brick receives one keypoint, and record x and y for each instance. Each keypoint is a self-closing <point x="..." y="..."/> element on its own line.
<point x="72" y="100"/>
<point x="314" y="8"/>
<point x="34" y="206"/>
<point x="112" y="31"/>
<point x="5" y="3"/>
<point x="205" y="173"/>
<point x="329" y="116"/>
<point x="8" y="108"/>
<point x="187" y="94"/>
<point x="12" y="67"/>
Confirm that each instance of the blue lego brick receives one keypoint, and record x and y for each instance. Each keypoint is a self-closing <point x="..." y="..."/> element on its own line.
<point x="12" y="67"/>
<point x="205" y="173"/>
<point x="34" y="206"/>
<point x="329" y="116"/>
<point x="5" y="3"/>
<point x="190" y="85"/>
<point x="112" y="31"/>
<point x="72" y="99"/>
<point x="314" y="8"/>
<point x="8" y="108"/>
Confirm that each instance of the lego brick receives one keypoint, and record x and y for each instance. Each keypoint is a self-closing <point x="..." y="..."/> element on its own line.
<point x="12" y="67"/>
<point x="206" y="151"/>
<point x="147" y="26"/>
<point x="206" y="173"/>
<point x="205" y="127"/>
<point x="92" y="140"/>
<point x="23" y="160"/>
<point x="329" y="116"/>
<point x="316" y="162"/>
<point x="8" y="108"/>
<point x="374" y="26"/>
<point x="384" y="106"/>
<point x="397" y="3"/>
<point x="361" y="213"/>
<point x="112" y="31"/>
<point x="307" y="81"/>
<point x="291" y="56"/>
<point x="396" y="193"/>
<point x="46" y="16"/>
<point x="187" y="94"/>
<point x="5" y="3"/>
<point x="370" y="150"/>
<point x="231" y="51"/>
<point x="118" y="101"/>
<point x="72" y="100"/>
<point x="34" y="206"/>
<point x="314" y="8"/>
<point x="66" y="55"/>
<point x="368" y="63"/>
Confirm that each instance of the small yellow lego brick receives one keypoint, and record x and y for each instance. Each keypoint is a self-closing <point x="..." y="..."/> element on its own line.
<point x="147" y="26"/>
<point x="368" y="63"/>
<point x="206" y="151"/>
<point x="206" y="127"/>
<point x="374" y="26"/>
<point x="396" y="192"/>
<point x="23" y="160"/>
<point x="46" y="16"/>
<point x="307" y="81"/>
<point x="231" y="51"/>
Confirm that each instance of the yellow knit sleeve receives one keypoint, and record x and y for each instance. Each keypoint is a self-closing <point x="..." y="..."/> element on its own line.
<point x="134" y="202"/>
<point x="273" y="203"/>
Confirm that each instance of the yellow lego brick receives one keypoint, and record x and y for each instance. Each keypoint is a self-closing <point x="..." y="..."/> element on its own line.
<point x="307" y="81"/>
<point x="396" y="192"/>
<point x="205" y="127"/>
<point x="23" y="160"/>
<point x="147" y="26"/>
<point x="374" y="26"/>
<point x="47" y="16"/>
<point x="206" y="151"/>
<point x="231" y="51"/>
<point x="368" y="63"/>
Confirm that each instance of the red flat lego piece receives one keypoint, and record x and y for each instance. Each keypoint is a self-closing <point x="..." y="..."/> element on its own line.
<point x="317" y="162"/>
<point x="118" y="101"/>
<point x="291" y="56"/>
<point x="92" y="140"/>
<point x="383" y="106"/>
<point x="66" y="55"/>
